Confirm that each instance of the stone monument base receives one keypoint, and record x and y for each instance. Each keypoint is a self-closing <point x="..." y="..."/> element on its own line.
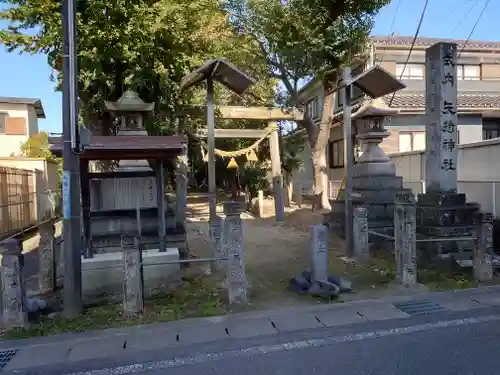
<point x="375" y="192"/>
<point x="445" y="215"/>
<point x="102" y="275"/>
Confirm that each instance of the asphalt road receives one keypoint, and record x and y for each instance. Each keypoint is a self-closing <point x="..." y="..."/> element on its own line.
<point x="438" y="344"/>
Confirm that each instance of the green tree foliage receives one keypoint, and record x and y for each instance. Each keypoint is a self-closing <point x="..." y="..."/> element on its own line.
<point x="302" y="39"/>
<point x="145" y="45"/>
<point x="37" y="146"/>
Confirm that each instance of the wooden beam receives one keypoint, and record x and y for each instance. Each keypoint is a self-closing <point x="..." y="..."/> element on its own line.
<point x="245" y="113"/>
<point x="234" y="133"/>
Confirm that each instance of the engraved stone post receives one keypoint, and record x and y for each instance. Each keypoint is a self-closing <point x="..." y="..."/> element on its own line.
<point x="405" y="239"/>
<point x="361" y="252"/>
<point x="46" y="256"/>
<point x="133" y="301"/>
<point x="279" y="206"/>
<point x="233" y="243"/>
<point x="260" y="203"/>
<point x="319" y="252"/>
<point x="298" y="195"/>
<point x="13" y="291"/>
<point x="482" y="263"/>
<point x="441" y="118"/>
<point x="181" y="188"/>
<point x="217" y="243"/>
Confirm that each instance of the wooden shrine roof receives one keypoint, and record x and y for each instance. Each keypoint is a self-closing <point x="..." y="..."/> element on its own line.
<point x="129" y="147"/>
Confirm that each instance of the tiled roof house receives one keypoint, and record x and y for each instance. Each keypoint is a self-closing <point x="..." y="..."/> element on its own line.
<point x="478" y="97"/>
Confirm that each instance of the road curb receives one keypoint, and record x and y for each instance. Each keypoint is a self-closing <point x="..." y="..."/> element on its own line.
<point x="239" y="317"/>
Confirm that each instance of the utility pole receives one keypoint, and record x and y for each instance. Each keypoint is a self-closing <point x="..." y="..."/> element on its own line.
<point x="348" y="161"/>
<point x="72" y="244"/>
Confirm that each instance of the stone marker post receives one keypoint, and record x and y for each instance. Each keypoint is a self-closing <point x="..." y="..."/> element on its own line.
<point x="441" y="118"/>
<point x="319" y="253"/>
<point x="133" y="300"/>
<point x="405" y="245"/>
<point x="13" y="290"/>
<point x="216" y="236"/>
<point x="298" y="195"/>
<point x="483" y="247"/>
<point x="279" y="204"/>
<point x="260" y="202"/>
<point x="360" y="228"/>
<point x="46" y="256"/>
<point x="233" y="244"/>
<point x="181" y="183"/>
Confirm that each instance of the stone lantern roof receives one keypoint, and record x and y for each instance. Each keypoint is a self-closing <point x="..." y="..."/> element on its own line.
<point x="375" y="108"/>
<point x="129" y="102"/>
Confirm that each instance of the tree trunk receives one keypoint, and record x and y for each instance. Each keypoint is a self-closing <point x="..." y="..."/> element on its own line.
<point x="318" y="151"/>
<point x="318" y="156"/>
<point x="318" y="136"/>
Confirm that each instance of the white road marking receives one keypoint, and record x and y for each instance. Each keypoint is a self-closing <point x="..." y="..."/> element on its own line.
<point x="285" y="347"/>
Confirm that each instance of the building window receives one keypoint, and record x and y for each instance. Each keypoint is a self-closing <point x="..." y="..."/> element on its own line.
<point x="491" y="130"/>
<point x="336" y="154"/>
<point x="411" y="141"/>
<point x="3" y="118"/>
<point x="411" y="71"/>
<point x="469" y="72"/>
<point x="313" y="108"/>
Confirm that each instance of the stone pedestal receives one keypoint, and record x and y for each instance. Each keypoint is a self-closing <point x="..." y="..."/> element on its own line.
<point x="133" y="165"/>
<point x="445" y="215"/>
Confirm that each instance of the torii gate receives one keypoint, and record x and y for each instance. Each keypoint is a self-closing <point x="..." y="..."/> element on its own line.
<point x="271" y="115"/>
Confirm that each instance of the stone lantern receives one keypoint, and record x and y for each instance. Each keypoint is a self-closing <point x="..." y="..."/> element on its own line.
<point x="131" y="111"/>
<point x="375" y="183"/>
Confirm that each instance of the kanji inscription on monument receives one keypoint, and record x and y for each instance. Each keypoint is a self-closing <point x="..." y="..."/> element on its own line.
<point x="441" y="118"/>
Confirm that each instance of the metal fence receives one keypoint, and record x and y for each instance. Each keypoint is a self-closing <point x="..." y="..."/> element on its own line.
<point x="17" y="200"/>
<point x="21" y="205"/>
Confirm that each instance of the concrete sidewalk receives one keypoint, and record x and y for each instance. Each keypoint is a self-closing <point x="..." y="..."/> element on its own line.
<point x="68" y="348"/>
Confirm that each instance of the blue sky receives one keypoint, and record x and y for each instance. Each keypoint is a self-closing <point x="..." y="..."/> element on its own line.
<point x="29" y="76"/>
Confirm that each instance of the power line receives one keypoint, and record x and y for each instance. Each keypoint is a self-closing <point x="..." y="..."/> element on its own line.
<point x="412" y="45"/>
<point x="392" y="28"/>
<point x="466" y="14"/>
<point x="473" y="28"/>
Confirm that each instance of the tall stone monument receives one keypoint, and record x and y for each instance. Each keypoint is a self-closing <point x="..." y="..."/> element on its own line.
<point x="441" y="211"/>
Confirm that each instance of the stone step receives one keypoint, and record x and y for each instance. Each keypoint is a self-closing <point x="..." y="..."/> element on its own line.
<point x="118" y="225"/>
<point x="378" y="182"/>
<point x="438" y="216"/>
<point x="442" y="199"/>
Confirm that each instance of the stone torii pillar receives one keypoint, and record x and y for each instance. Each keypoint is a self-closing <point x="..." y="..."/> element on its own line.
<point x="256" y="113"/>
<point x="274" y="150"/>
